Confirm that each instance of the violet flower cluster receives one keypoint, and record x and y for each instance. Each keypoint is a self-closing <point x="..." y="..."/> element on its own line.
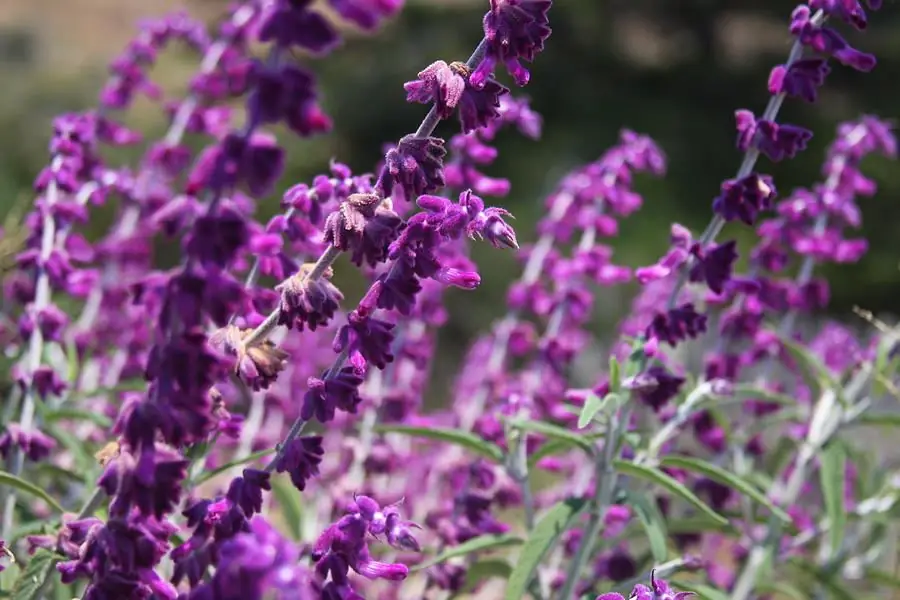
<point x="275" y="441"/>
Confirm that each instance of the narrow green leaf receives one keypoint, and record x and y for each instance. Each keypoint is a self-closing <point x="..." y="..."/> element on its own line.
<point x="594" y="405"/>
<point x="589" y="411"/>
<point x="883" y="578"/>
<point x="486" y="569"/>
<point x="206" y="476"/>
<point x="781" y="589"/>
<point x="8" y="479"/>
<point x="465" y="439"/>
<point x="556" y="432"/>
<point x="28" y="585"/>
<point x="637" y="358"/>
<point x="77" y="414"/>
<point x="81" y="452"/>
<point x="542" y="538"/>
<point x="878" y="419"/>
<point x="832" y="470"/>
<point x="705" y="592"/>
<point x="828" y="579"/>
<point x="290" y="507"/>
<point x="478" y="544"/>
<point x="653" y="523"/>
<point x="615" y="374"/>
<point x="669" y="484"/>
<point x="726" y="478"/>
<point x="814" y="372"/>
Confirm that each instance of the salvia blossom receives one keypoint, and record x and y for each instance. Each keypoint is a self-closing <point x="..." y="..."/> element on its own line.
<point x="238" y="383"/>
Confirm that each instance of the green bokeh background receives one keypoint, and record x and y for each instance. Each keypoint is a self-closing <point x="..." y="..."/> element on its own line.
<point x="673" y="69"/>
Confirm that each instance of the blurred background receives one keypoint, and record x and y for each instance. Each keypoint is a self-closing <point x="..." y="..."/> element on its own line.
<point x="673" y="69"/>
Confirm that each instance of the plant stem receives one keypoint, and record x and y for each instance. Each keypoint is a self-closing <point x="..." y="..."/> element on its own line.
<point x="331" y="254"/>
<point x="749" y="162"/>
<point x="605" y="486"/>
<point x="35" y="344"/>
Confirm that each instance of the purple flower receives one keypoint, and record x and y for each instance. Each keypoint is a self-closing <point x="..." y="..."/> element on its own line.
<point x="745" y="198"/>
<point x="34" y="444"/>
<point x="288" y="94"/>
<point x="800" y="79"/>
<point x="656" y="386"/>
<point x="772" y="139"/>
<point x="255" y="565"/>
<point x="343" y="545"/>
<point x="258" y="366"/>
<point x="307" y="302"/>
<point x="367" y="14"/>
<point x="150" y="481"/>
<point x="291" y="23"/>
<point x="368" y="337"/>
<point x="514" y="30"/>
<point x="826" y="40"/>
<point x="415" y="166"/>
<point x="714" y="265"/>
<point x="301" y="459"/>
<point x="365" y="224"/>
<point x="677" y="324"/>
<point x="439" y="83"/>
<point x="332" y="391"/>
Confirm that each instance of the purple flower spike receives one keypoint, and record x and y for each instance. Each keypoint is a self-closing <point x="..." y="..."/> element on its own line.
<point x="514" y="30"/>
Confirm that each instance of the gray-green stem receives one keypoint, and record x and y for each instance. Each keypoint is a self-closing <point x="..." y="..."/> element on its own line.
<point x="605" y="487"/>
<point x="749" y="162"/>
<point x="331" y="254"/>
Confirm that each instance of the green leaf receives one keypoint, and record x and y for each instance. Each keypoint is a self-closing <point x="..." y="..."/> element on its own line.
<point x="542" y="538"/>
<point x="28" y="585"/>
<point x="726" y="478"/>
<point x="465" y="439"/>
<point x="486" y="569"/>
<point x="781" y="589"/>
<point x="555" y="432"/>
<point x="705" y="592"/>
<point x="882" y="578"/>
<point x="615" y="374"/>
<point x="637" y="358"/>
<point x="289" y="505"/>
<point x="206" y="476"/>
<point x="594" y="405"/>
<point x="10" y="480"/>
<point x="483" y="542"/>
<point x="814" y="372"/>
<point x="832" y="471"/>
<point x="879" y="419"/>
<point x="84" y="460"/>
<point x="826" y="578"/>
<point x="669" y="484"/>
<point x="653" y="523"/>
